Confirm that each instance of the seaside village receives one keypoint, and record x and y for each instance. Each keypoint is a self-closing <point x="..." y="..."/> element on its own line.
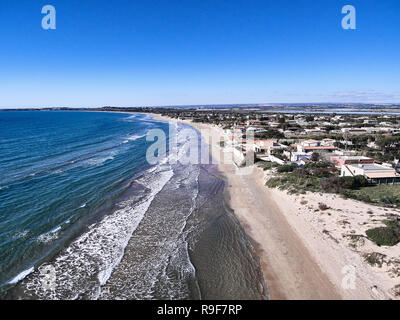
<point x="355" y="145"/>
<point x="336" y="178"/>
<point x="299" y="140"/>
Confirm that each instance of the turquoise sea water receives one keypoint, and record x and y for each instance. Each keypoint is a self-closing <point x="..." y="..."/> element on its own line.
<point x="55" y="169"/>
<point x="84" y="216"/>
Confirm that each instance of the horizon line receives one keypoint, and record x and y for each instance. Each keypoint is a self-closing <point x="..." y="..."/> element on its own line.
<point x="265" y="104"/>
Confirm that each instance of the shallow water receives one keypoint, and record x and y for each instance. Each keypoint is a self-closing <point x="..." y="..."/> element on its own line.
<point x="161" y="232"/>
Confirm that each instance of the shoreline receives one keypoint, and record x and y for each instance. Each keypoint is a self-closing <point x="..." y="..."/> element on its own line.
<point x="261" y="285"/>
<point x="302" y="253"/>
<point x="289" y="270"/>
<point x="110" y="278"/>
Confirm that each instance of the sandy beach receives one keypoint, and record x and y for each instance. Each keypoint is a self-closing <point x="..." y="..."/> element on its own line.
<point x="306" y="253"/>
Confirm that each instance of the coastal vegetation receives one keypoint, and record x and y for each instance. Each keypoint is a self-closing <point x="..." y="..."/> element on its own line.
<point x="382" y="195"/>
<point x="322" y="177"/>
<point x="269" y="134"/>
<point x="266" y="165"/>
<point x="385" y="236"/>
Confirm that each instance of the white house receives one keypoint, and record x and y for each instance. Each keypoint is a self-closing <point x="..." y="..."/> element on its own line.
<point x="374" y="173"/>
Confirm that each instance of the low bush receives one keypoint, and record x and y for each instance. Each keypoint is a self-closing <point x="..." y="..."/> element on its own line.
<point x="339" y="184"/>
<point x="375" y="259"/>
<point x="331" y="184"/>
<point x="393" y="224"/>
<point x="322" y="177"/>
<point x="286" y="168"/>
<point x="266" y="165"/>
<point x="384" y="236"/>
<point x="322" y="206"/>
<point x="355" y="182"/>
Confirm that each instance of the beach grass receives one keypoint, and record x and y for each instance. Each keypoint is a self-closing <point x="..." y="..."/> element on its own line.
<point x="294" y="183"/>
<point x="297" y="182"/>
<point x="385" y="236"/>
<point x="266" y="165"/>
<point x="382" y="195"/>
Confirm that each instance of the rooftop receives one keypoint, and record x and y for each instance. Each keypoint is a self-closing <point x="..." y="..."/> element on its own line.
<point x="382" y="175"/>
<point x="372" y="167"/>
<point x="352" y="158"/>
<point x="320" y="148"/>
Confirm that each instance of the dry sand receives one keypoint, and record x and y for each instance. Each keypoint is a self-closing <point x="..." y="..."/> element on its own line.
<point x="304" y="253"/>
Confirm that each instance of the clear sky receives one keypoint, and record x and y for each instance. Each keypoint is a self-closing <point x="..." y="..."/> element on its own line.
<point x="170" y="52"/>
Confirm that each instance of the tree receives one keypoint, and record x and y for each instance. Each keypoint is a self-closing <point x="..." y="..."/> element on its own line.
<point x="315" y="157"/>
<point x="269" y="134"/>
<point x="309" y="118"/>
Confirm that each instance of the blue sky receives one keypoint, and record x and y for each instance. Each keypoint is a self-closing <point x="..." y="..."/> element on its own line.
<point x="169" y="52"/>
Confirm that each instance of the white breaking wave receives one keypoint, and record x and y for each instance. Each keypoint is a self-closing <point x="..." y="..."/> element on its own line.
<point x="98" y="251"/>
<point x="144" y="274"/>
<point x="21" y="276"/>
<point x="88" y="262"/>
<point x="130" y="118"/>
<point x="99" y="161"/>
<point x="49" y="236"/>
<point x="56" y="229"/>
<point x="20" y="234"/>
<point x="133" y="138"/>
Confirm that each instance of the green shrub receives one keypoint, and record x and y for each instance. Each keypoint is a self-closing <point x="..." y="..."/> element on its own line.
<point x="273" y="182"/>
<point x="331" y="184"/>
<point x="391" y="224"/>
<point x="339" y="184"/>
<point x="364" y="198"/>
<point x="286" y="168"/>
<point x="266" y="165"/>
<point x="375" y="259"/>
<point x="384" y="236"/>
<point x="315" y="156"/>
<point x="322" y="206"/>
<point x="359" y="181"/>
<point x="269" y="134"/>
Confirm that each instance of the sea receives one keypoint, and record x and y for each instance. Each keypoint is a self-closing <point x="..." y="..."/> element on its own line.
<point x="85" y="215"/>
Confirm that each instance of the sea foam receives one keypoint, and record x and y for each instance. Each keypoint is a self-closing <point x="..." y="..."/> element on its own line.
<point x="99" y="250"/>
<point x="21" y="275"/>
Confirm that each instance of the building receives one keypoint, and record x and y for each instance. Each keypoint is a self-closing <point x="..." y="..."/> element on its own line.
<point x="374" y="173"/>
<point x="354" y="130"/>
<point x="327" y="142"/>
<point x="297" y="157"/>
<point x="314" y="131"/>
<point x="311" y="149"/>
<point x="310" y="143"/>
<point x="339" y="161"/>
<point x="253" y="122"/>
<point x="267" y="146"/>
<point x="310" y="146"/>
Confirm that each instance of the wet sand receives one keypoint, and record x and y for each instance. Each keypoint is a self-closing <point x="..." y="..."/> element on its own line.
<point x="290" y="270"/>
